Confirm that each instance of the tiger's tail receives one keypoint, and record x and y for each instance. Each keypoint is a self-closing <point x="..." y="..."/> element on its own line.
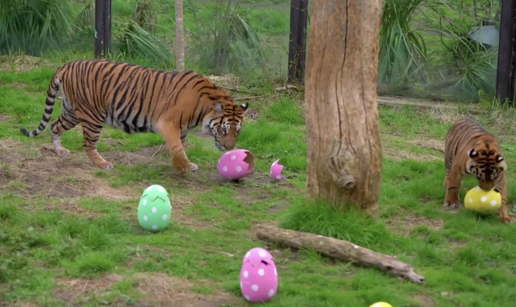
<point x="49" y="107"/>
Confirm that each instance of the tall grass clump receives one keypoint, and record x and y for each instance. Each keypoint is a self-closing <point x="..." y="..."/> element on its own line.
<point x="222" y="39"/>
<point x="136" y="42"/>
<point x="33" y="26"/>
<point x="471" y="65"/>
<point x="321" y="218"/>
<point x="402" y="48"/>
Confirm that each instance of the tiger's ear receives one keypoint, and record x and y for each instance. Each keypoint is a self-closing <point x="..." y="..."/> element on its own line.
<point x="244" y="106"/>
<point x="218" y="107"/>
<point x="472" y="153"/>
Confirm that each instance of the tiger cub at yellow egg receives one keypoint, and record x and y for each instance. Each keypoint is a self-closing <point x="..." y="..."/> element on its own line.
<point x="470" y="150"/>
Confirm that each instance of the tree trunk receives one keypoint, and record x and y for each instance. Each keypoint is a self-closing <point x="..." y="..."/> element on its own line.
<point x="339" y="249"/>
<point x="180" y="40"/>
<point x="343" y="134"/>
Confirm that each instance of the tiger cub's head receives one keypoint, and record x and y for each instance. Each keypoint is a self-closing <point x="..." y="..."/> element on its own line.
<point x="486" y="162"/>
<point x="224" y="122"/>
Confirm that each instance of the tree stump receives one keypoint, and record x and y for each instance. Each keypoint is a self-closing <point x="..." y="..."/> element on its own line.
<point x="343" y="134"/>
<point x="339" y="249"/>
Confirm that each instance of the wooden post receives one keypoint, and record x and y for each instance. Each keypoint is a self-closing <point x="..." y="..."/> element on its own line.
<point x="344" y="157"/>
<point x="179" y="47"/>
<point x="506" y="70"/>
<point x="297" y="40"/>
<point x="102" y="27"/>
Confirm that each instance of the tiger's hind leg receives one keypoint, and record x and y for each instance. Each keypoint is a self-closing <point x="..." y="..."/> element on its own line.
<point x="91" y="134"/>
<point x="66" y="121"/>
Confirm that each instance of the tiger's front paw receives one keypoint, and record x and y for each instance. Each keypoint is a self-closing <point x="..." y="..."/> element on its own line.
<point x="193" y="167"/>
<point x="182" y="167"/>
<point x="505" y="218"/>
<point x="454" y="204"/>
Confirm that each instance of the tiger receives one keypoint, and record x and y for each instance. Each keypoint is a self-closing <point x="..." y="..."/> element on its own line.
<point x="470" y="150"/>
<point x="134" y="99"/>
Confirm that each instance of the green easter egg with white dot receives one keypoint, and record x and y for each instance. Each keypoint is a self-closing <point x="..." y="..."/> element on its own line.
<point x="154" y="209"/>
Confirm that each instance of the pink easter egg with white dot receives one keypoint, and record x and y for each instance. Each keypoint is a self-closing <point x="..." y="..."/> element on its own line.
<point x="276" y="169"/>
<point x="258" y="276"/>
<point x="236" y="164"/>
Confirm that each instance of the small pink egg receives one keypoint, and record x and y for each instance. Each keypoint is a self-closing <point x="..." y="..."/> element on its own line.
<point x="276" y="171"/>
<point x="258" y="276"/>
<point x="236" y="164"/>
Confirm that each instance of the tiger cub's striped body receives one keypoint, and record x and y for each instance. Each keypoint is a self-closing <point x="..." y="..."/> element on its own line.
<point x="470" y="150"/>
<point x="139" y="99"/>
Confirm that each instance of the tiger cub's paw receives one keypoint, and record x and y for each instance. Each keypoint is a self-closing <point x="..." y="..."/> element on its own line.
<point x="506" y="218"/>
<point x="452" y="205"/>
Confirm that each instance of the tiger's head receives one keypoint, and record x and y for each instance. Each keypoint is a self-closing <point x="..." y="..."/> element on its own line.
<point x="224" y="122"/>
<point x="486" y="163"/>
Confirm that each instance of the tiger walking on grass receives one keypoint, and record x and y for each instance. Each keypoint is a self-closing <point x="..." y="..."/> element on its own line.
<point x="136" y="99"/>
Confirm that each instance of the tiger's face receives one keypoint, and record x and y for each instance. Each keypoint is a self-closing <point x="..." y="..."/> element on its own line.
<point x="225" y="124"/>
<point x="487" y="164"/>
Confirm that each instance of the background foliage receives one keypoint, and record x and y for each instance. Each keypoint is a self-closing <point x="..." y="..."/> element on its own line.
<point x="424" y="46"/>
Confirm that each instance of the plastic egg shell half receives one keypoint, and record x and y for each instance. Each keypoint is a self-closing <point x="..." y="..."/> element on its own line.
<point x="258" y="276"/>
<point x="482" y="201"/>
<point x="381" y="304"/>
<point x="154" y="209"/>
<point x="236" y="164"/>
<point x="276" y="169"/>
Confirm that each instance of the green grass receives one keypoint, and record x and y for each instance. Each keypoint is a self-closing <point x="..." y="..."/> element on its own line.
<point x="69" y="232"/>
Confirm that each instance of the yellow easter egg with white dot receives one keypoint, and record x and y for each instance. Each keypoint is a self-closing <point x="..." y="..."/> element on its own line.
<point x="485" y="202"/>
<point x="381" y="304"/>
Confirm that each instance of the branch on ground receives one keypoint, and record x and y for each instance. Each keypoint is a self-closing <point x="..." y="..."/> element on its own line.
<point x="339" y="249"/>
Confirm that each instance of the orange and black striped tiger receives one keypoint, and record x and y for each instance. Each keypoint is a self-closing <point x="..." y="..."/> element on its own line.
<point x="139" y="99"/>
<point x="470" y="150"/>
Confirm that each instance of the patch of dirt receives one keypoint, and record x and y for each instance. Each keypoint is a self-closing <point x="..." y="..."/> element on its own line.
<point x="18" y="304"/>
<point x="22" y="62"/>
<point x="252" y="114"/>
<point x="54" y="176"/>
<point x="404" y="226"/>
<point x="446" y="116"/>
<point x="179" y="204"/>
<point x="166" y="290"/>
<point x="247" y="196"/>
<point x="423" y="300"/>
<point x="157" y="289"/>
<point x="4" y="117"/>
<point x="226" y="82"/>
<point x="400" y="154"/>
<point x="71" y="207"/>
<point x="437" y="145"/>
<point x="278" y="207"/>
<point x="70" y="288"/>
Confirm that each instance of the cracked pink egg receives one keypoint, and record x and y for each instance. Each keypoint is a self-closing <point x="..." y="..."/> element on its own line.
<point x="236" y="164"/>
<point x="258" y="276"/>
<point x="276" y="169"/>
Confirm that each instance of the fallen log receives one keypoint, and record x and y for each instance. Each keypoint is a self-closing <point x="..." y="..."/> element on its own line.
<point x="339" y="249"/>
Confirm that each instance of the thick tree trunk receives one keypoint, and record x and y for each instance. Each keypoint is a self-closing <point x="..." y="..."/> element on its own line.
<point x="343" y="133"/>
<point x="339" y="249"/>
<point x="180" y="40"/>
